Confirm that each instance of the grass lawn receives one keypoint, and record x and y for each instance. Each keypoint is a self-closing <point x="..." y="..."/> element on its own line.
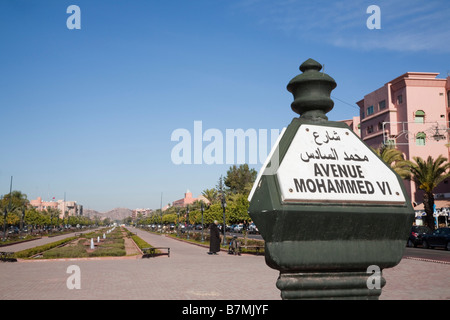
<point x="80" y="247"/>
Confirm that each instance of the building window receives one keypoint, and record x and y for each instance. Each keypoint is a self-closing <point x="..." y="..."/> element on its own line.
<point x="420" y="139"/>
<point x="400" y="99"/>
<point x="382" y="104"/>
<point x="380" y="126"/>
<point x="419" y="116"/>
<point x="369" y="129"/>
<point x="370" y="110"/>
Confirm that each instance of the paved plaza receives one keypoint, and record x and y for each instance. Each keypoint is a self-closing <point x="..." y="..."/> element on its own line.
<point x="190" y="274"/>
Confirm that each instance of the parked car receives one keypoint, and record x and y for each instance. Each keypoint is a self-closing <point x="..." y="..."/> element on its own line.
<point x="415" y="237"/>
<point x="13" y="230"/>
<point x="439" y="238"/>
<point x="253" y="229"/>
<point x="238" y="228"/>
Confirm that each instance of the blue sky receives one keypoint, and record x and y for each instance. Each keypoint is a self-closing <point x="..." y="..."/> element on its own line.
<point x="90" y="112"/>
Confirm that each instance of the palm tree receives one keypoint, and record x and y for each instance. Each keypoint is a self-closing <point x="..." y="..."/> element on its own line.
<point x="211" y="195"/>
<point x="394" y="159"/>
<point x="14" y="201"/>
<point x="428" y="175"/>
<point x="12" y="206"/>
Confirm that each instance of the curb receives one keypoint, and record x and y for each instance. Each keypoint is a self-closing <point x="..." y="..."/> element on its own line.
<point x="426" y="260"/>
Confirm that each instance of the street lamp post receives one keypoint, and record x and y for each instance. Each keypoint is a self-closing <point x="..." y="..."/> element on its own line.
<point x="22" y="218"/>
<point x="202" y="207"/>
<point x="224" y="206"/>
<point x="178" y="222"/>
<point x="187" y="221"/>
<point x="4" y="224"/>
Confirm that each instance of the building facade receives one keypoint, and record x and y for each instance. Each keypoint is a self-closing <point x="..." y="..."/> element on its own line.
<point x="141" y="211"/>
<point x="354" y="125"/>
<point x="188" y="199"/>
<point x="70" y="208"/>
<point x="40" y="205"/>
<point x="412" y="114"/>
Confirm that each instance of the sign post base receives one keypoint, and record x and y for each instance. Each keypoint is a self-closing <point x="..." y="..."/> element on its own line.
<point x="329" y="285"/>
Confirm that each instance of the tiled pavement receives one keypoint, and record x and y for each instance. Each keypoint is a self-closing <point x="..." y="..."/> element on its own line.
<point x="191" y="274"/>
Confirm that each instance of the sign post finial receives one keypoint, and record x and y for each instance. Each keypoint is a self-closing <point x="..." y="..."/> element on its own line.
<point x="311" y="91"/>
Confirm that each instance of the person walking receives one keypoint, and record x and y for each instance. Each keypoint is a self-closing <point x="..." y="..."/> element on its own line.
<point x="214" y="239"/>
<point x="245" y="231"/>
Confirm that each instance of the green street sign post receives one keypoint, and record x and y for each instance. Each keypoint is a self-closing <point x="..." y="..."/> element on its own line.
<point x="333" y="215"/>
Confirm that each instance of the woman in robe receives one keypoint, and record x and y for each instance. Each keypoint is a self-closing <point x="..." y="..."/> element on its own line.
<point x="214" y="239"/>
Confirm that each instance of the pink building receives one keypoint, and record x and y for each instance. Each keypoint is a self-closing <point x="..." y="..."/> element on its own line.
<point x="188" y="199"/>
<point x="141" y="211"/>
<point x="70" y="208"/>
<point x="354" y="124"/>
<point x="43" y="205"/>
<point x="411" y="113"/>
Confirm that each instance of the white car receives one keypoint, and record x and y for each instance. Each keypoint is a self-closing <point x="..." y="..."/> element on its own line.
<point x="252" y="228"/>
<point x="238" y="228"/>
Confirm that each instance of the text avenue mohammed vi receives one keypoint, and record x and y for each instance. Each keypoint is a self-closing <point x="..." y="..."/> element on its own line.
<point x="355" y="185"/>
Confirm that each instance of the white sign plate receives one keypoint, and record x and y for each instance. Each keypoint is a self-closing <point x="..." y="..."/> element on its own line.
<point x="327" y="164"/>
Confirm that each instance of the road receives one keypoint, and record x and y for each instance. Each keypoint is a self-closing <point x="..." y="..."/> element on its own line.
<point x="191" y="274"/>
<point x="438" y="255"/>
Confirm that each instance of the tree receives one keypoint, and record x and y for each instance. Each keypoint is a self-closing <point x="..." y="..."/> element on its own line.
<point x="237" y="210"/>
<point x="14" y="201"/>
<point x="211" y="195"/>
<point x="240" y="179"/>
<point x="213" y="212"/>
<point x="234" y="190"/>
<point x="11" y="206"/>
<point x="53" y="213"/>
<point x="428" y="175"/>
<point x="394" y="159"/>
<point x="33" y="217"/>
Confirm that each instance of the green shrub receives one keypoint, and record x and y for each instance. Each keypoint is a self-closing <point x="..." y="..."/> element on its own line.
<point x="107" y="252"/>
<point x="77" y="251"/>
<point x="32" y="251"/>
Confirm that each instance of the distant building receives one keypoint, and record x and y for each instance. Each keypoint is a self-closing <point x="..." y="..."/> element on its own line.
<point x="412" y="114"/>
<point x="188" y="199"/>
<point x="354" y="125"/>
<point x="40" y="205"/>
<point x="144" y="212"/>
<point x="71" y="208"/>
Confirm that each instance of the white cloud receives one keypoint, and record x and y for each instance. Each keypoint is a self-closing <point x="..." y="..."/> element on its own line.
<point x="415" y="25"/>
